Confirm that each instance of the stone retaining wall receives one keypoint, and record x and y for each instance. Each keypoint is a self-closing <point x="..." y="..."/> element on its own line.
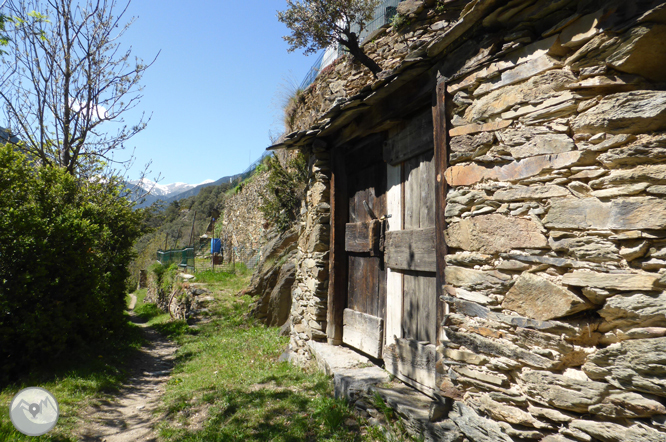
<point x="310" y="292"/>
<point x="243" y="223"/>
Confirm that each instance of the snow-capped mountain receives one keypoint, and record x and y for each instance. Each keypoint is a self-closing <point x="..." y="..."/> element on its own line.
<point x="165" y="190"/>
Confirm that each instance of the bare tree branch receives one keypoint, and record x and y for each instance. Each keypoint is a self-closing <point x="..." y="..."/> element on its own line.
<point x="68" y="77"/>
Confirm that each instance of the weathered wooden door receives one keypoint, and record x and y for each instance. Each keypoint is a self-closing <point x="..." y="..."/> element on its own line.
<point x="412" y="246"/>
<point x="363" y="319"/>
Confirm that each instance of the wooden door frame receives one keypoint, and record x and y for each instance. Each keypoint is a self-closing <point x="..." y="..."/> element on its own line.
<point x="441" y="163"/>
<point x="339" y="201"/>
<point x="338" y="266"/>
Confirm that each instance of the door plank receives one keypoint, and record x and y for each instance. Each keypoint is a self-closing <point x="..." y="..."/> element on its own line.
<point x="410" y="306"/>
<point x="411" y="250"/>
<point x="412" y="194"/>
<point x="427" y="188"/>
<point x="363" y="332"/>
<point x="413" y="140"/>
<point x="427" y="317"/>
<point x="393" y="278"/>
<point x="414" y="362"/>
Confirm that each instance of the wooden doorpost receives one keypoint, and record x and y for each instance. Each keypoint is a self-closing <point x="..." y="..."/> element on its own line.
<point x="337" y="283"/>
<point x="441" y="163"/>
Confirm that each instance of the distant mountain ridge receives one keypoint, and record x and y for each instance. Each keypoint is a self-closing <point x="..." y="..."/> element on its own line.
<point x="165" y="190"/>
<point x="170" y="192"/>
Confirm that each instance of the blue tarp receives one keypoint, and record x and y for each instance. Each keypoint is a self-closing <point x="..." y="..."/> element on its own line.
<point x="215" y="245"/>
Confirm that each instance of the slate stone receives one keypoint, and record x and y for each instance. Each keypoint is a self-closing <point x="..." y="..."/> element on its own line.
<point x="650" y="150"/>
<point x="563" y="392"/>
<point x="480" y="344"/>
<point x="507" y="413"/>
<point x="635" y="365"/>
<point x="557" y="438"/>
<point x="629" y="213"/>
<point x="634" y="309"/>
<point x="476" y="279"/>
<point x="550" y="414"/>
<point x="464" y="175"/>
<point x="611" y="432"/>
<point x="590" y="248"/>
<point x="628" y="405"/>
<point x="614" y="192"/>
<point x="475" y="427"/>
<point x="615" y="281"/>
<point x="494" y="233"/>
<point x="474" y="145"/>
<point x="543" y="144"/>
<point x="641" y="52"/>
<point x="540" y="299"/>
<point x="468" y="259"/>
<point x="653" y="174"/>
<point x="530" y="192"/>
<point x="499" y="101"/>
<point x="625" y="112"/>
<point x="519" y="73"/>
<point x="580" y="31"/>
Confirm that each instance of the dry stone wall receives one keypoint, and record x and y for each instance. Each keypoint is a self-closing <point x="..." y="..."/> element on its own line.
<point x="557" y="238"/>
<point x="310" y="291"/>
<point x="243" y="224"/>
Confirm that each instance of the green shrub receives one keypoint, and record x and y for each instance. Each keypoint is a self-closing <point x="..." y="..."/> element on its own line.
<point x="64" y="250"/>
<point x="281" y="201"/>
<point x="163" y="283"/>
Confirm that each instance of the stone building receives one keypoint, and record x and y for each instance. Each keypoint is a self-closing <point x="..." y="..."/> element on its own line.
<point x="486" y="219"/>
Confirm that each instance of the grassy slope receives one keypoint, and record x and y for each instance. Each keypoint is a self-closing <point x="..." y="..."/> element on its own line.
<point x="228" y="385"/>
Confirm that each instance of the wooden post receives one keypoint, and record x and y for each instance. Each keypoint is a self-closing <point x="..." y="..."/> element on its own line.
<point x="337" y="284"/>
<point x="212" y="255"/>
<point x="194" y="260"/>
<point x="166" y="241"/>
<point x="175" y="243"/>
<point x="441" y="163"/>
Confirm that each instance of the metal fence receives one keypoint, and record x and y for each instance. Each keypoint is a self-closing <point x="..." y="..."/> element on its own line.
<point x="313" y="72"/>
<point x="381" y="16"/>
<point x="183" y="258"/>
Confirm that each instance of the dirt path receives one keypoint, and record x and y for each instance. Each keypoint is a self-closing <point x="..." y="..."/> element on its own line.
<point x="130" y="415"/>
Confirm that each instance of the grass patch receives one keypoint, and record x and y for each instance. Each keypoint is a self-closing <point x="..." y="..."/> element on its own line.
<point x="156" y="318"/>
<point x="227" y="372"/>
<point x="232" y="280"/>
<point x="77" y="380"/>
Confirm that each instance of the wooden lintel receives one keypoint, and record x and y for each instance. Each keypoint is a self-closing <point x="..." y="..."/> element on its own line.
<point x="411" y="250"/>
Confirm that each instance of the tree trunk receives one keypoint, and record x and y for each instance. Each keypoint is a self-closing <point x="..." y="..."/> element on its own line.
<point x="351" y="43"/>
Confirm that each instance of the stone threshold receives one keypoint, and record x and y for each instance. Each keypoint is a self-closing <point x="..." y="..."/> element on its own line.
<point x="358" y="380"/>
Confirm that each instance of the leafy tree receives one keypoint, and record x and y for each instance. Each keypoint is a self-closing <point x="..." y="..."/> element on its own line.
<point x="65" y="245"/>
<point x="317" y="24"/>
<point x="67" y="76"/>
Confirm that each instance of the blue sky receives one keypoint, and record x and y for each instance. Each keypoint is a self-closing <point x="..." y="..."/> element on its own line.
<point x="214" y="89"/>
